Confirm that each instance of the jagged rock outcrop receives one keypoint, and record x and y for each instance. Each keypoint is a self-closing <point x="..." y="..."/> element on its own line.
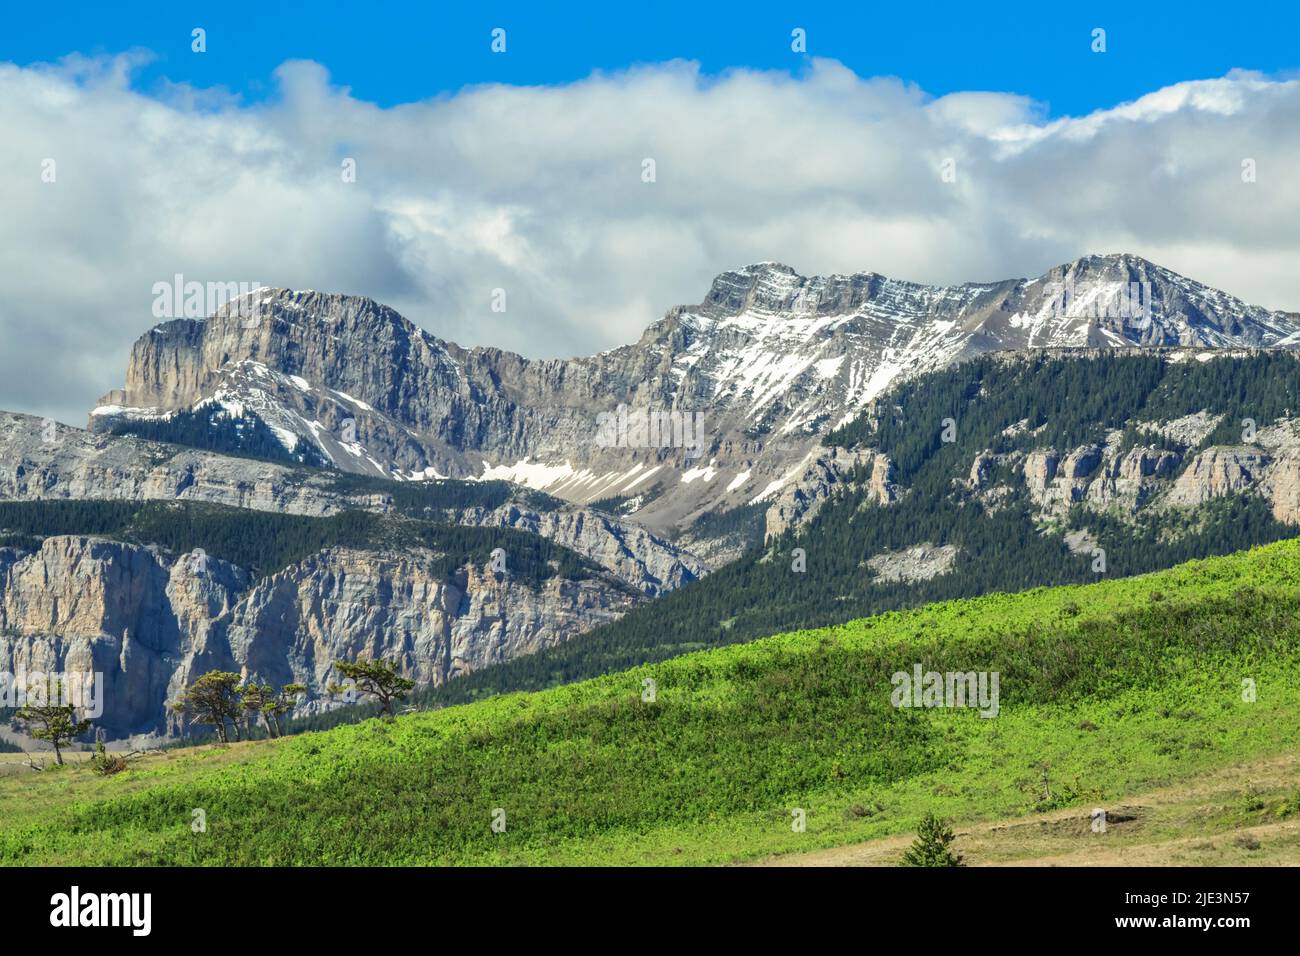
<point x="1132" y="479"/>
<point x="140" y="619"/>
<point x="1108" y="476"/>
<point x="1190" y="430"/>
<point x="347" y="604"/>
<point x="1099" y="475"/>
<point x="884" y="480"/>
<point x="151" y="623"/>
<point x="1081" y="462"/>
<point x="800" y="501"/>
<point x="980" y="469"/>
<point x="769" y="361"/>
<point x="1103" y="476"/>
<point x="69" y="463"/>
<point x="1141" y="463"/>
<point x="626" y="550"/>
<point x="980" y="481"/>
<point x="918" y="563"/>
<point x="1040" y="468"/>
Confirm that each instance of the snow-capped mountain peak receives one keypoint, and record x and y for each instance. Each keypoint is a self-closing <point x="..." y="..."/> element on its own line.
<point x="767" y="363"/>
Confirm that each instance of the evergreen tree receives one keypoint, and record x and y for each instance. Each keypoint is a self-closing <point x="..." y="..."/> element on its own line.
<point x="377" y="679"/>
<point x="254" y="698"/>
<point x="213" y="699"/>
<point x="933" y="845"/>
<point x="281" y="705"/>
<point x="52" y="721"/>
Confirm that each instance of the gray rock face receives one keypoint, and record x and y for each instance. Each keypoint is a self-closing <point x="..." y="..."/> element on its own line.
<point x="1216" y="472"/>
<point x="142" y="620"/>
<point x="769" y="361"/>
<point x="1040" y="469"/>
<point x="918" y="563"/>
<point x="800" y="501"/>
<point x="346" y="604"/>
<point x="1102" y="477"/>
<point x="151" y="623"/>
<point x="77" y="464"/>
<point x="151" y="626"/>
<point x="1147" y="463"/>
<point x="1132" y="479"/>
<point x="627" y="551"/>
<point x="1283" y="489"/>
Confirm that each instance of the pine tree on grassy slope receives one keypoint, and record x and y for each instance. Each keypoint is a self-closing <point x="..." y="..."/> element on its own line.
<point x="933" y="845"/>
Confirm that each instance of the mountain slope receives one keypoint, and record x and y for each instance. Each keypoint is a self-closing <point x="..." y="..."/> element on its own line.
<point x="764" y="366"/>
<point x="57" y="463"/>
<point x="1063" y="468"/>
<point x="1104" y="691"/>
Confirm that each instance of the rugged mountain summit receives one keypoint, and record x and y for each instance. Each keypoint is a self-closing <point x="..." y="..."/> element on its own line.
<point x="763" y="367"/>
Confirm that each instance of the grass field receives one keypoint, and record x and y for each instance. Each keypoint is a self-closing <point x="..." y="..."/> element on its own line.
<point x="1108" y="691"/>
<point x="1239" y="815"/>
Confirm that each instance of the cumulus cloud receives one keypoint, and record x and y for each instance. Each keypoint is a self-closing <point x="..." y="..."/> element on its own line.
<point x="539" y="191"/>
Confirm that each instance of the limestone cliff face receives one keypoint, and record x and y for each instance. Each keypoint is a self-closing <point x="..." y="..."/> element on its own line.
<point x="1100" y="476"/>
<point x="1040" y="469"/>
<point x="142" y="620"/>
<point x="1284" y="489"/>
<point x="626" y="550"/>
<point x="883" y="483"/>
<point x="70" y="463"/>
<point x="1216" y="472"/>
<point x="343" y="604"/>
<point x="151" y="623"/>
<point x="1131" y="480"/>
<point x="1108" y="476"/>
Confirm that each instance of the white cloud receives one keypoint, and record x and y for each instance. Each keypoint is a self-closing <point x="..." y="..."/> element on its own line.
<point x="538" y="190"/>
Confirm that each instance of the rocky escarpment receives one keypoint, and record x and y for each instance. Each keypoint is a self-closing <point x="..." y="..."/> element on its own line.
<point x="764" y="366"/>
<point x="824" y="476"/>
<point x="57" y="462"/>
<point x="150" y="623"/>
<point x="1216" y="472"/>
<point x="141" y="620"/>
<point x="1104" y="476"/>
<point x="1107" y="476"/>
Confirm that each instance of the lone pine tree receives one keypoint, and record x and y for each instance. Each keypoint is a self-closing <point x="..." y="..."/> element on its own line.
<point x="933" y="845"/>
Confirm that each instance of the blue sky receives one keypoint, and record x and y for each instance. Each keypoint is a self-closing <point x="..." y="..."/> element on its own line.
<point x="390" y="53"/>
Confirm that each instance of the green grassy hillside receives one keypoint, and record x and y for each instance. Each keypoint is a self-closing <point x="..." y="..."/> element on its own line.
<point x="1106" y="689"/>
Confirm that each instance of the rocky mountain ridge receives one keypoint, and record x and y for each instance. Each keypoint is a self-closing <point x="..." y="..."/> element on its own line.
<point x="766" y="364"/>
